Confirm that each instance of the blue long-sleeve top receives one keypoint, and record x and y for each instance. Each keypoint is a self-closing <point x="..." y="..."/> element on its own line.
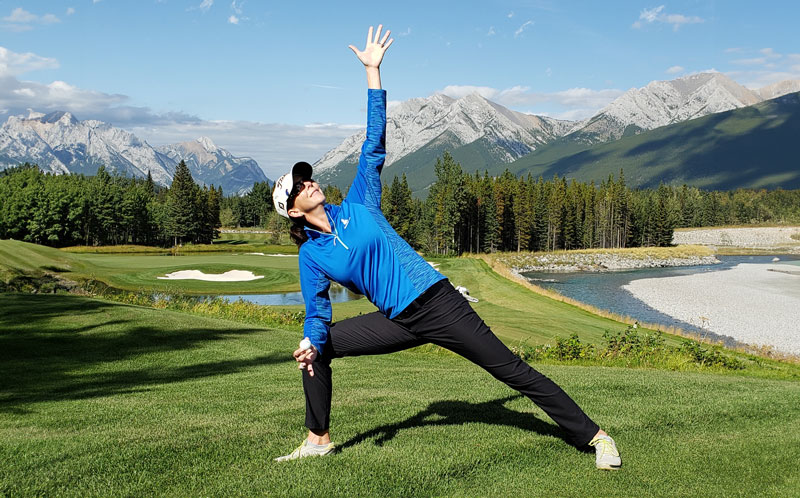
<point x="362" y="252"/>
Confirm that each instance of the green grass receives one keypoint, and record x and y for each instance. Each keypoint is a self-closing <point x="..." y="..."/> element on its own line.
<point x="141" y="271"/>
<point x="104" y="399"/>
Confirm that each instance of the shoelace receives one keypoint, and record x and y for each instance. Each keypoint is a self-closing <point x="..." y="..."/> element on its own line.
<point x="605" y="446"/>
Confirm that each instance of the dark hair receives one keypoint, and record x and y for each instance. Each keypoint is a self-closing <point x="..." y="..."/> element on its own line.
<point x="297" y="232"/>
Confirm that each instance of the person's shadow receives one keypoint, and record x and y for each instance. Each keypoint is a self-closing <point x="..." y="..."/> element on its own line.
<point x="458" y="413"/>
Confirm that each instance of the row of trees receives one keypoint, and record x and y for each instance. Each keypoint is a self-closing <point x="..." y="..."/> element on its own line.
<point x="106" y="209"/>
<point x="474" y="213"/>
<point x="462" y="213"/>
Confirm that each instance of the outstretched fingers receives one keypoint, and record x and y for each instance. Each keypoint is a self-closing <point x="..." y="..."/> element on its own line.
<point x="385" y="36"/>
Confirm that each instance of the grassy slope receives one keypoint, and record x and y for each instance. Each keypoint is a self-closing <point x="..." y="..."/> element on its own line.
<point x="103" y="399"/>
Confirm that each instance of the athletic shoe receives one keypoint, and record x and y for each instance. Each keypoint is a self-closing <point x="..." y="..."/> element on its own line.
<point x="307" y="450"/>
<point x="606" y="454"/>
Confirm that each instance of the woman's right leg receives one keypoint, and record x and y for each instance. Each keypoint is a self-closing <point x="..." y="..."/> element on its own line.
<point x="362" y="335"/>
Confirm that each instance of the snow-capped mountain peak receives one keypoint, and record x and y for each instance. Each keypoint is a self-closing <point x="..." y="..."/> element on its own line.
<point x="419" y="121"/>
<point x="60" y="143"/>
<point x="660" y="103"/>
<point x="207" y="144"/>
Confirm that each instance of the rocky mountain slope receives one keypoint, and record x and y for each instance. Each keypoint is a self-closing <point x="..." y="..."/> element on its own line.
<point x="481" y="134"/>
<point x="750" y="147"/>
<point x="440" y="121"/>
<point x="60" y="143"/>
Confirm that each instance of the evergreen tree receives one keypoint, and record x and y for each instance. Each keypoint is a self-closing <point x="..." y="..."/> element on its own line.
<point x="181" y="205"/>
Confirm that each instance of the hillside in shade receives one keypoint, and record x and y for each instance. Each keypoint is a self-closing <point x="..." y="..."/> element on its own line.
<point x="751" y="147"/>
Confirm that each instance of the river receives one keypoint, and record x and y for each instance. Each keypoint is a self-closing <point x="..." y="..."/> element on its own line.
<point x="604" y="290"/>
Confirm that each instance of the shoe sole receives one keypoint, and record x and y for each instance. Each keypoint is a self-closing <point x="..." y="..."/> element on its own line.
<point x="609" y="467"/>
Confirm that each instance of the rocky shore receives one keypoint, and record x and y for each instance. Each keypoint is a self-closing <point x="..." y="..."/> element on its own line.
<point x="598" y="262"/>
<point x="752" y="303"/>
<point x="786" y="239"/>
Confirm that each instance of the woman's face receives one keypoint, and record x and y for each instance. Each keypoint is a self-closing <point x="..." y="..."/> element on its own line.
<point x="308" y="199"/>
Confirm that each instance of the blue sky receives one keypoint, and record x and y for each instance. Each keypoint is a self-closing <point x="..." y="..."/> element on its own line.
<point x="275" y="80"/>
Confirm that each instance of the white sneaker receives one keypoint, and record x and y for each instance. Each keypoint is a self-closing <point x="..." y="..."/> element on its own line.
<point x="306" y="450"/>
<point x="606" y="454"/>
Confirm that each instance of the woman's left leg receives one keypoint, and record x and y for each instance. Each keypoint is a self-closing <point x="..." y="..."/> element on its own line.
<point x="448" y="321"/>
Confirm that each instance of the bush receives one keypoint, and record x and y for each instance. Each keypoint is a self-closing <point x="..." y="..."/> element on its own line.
<point x="571" y="349"/>
<point x="629" y="348"/>
<point x="706" y="357"/>
<point x="630" y="344"/>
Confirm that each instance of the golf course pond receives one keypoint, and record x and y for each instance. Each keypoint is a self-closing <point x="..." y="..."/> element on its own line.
<point x="337" y="294"/>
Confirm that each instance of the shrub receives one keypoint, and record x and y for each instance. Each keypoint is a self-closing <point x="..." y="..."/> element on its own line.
<point x="630" y="344"/>
<point x="571" y="348"/>
<point x="706" y="357"/>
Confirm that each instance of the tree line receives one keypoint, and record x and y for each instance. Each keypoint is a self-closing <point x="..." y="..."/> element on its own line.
<point x="106" y="209"/>
<point x="462" y="212"/>
<point x="479" y="213"/>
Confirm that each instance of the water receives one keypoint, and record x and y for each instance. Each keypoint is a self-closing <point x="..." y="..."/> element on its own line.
<point x="337" y="295"/>
<point x="604" y="289"/>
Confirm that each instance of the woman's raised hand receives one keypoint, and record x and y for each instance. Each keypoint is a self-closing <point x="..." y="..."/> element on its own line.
<point x="372" y="55"/>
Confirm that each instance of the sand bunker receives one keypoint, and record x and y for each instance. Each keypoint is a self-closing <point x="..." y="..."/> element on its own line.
<point x="228" y="276"/>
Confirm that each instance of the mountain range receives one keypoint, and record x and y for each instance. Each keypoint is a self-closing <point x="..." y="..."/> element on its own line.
<point x="481" y="134"/>
<point x="60" y="143"/>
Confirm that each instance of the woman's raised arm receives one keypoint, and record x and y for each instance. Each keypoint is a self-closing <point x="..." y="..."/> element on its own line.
<point x="372" y="55"/>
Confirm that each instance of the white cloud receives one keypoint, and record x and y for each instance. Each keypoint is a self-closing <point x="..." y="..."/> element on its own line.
<point x="205" y="5"/>
<point x="657" y="15"/>
<point x="491" y="31"/>
<point x="759" y="77"/>
<point x="237" y="8"/>
<point x="233" y="19"/>
<point x="70" y="11"/>
<point x="272" y="145"/>
<point x="13" y="64"/>
<point x="770" y="53"/>
<point x="755" y="61"/>
<point x="522" y="28"/>
<point x="548" y="72"/>
<point x="510" y="15"/>
<point x="733" y="50"/>
<point x="582" y="102"/>
<point x="675" y="70"/>
<point x="404" y="33"/>
<point x="21" y="15"/>
<point x="22" y="20"/>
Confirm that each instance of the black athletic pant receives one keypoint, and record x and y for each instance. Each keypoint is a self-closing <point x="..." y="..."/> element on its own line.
<point x="443" y="317"/>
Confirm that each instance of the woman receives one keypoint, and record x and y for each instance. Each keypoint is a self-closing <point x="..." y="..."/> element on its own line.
<point x="354" y="245"/>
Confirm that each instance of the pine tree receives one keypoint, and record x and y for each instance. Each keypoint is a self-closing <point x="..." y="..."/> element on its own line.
<point x="181" y="205"/>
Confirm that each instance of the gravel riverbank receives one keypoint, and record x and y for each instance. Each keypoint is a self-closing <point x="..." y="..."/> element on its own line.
<point x="753" y="303"/>
<point x="756" y="238"/>
<point x="597" y="262"/>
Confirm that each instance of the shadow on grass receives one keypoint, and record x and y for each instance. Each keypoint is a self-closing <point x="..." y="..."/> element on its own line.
<point x="440" y="413"/>
<point x="57" y="347"/>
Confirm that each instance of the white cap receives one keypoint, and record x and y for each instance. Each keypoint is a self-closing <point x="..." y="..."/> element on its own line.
<point x="285" y="184"/>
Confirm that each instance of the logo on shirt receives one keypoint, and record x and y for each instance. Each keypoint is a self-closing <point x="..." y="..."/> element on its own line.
<point x="345" y="222"/>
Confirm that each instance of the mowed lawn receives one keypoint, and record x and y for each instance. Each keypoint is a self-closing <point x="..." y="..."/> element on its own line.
<point x="514" y="313"/>
<point x="141" y="272"/>
<point x="104" y="399"/>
